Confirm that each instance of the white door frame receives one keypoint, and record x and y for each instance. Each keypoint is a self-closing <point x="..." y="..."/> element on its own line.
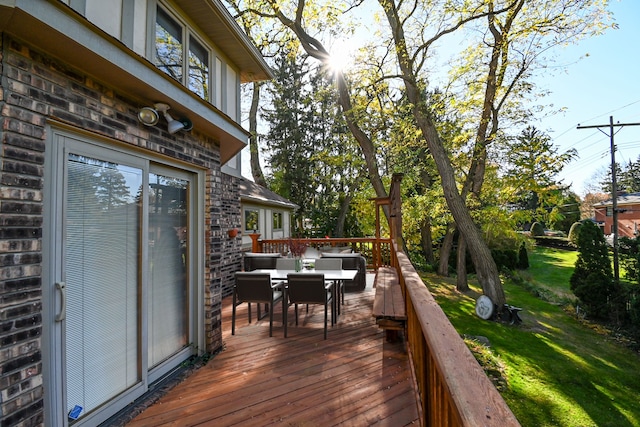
<point x="53" y="273"/>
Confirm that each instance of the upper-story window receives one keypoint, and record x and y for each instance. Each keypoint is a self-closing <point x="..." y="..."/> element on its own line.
<point x="181" y="53"/>
<point x="169" y="45"/>
<point x="198" y="68"/>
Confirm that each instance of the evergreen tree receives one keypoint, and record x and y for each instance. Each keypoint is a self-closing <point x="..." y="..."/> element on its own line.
<point x="629" y="177"/>
<point x="523" y="257"/>
<point x="532" y="164"/>
<point x="313" y="161"/>
<point x="111" y="187"/>
<point x="592" y="280"/>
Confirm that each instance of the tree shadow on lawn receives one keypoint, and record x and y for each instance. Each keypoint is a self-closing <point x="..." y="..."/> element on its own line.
<point x="559" y="372"/>
<point x="550" y="385"/>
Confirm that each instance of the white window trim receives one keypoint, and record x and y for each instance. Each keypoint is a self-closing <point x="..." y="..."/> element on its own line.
<point x="218" y="85"/>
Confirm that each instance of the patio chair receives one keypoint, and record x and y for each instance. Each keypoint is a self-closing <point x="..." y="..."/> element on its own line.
<point x="259" y="261"/>
<point x="252" y="287"/>
<point x="285" y="264"/>
<point x="307" y="288"/>
<point x="333" y="264"/>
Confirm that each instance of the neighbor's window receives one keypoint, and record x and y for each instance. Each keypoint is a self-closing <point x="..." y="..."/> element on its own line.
<point x="609" y="210"/>
<point x="251" y="217"/>
<point x="169" y="46"/>
<point x="277" y="220"/>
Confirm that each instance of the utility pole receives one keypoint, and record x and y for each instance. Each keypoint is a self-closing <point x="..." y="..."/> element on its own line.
<point x="614" y="187"/>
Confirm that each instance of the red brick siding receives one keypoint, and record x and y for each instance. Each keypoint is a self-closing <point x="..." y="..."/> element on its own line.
<point x="628" y="220"/>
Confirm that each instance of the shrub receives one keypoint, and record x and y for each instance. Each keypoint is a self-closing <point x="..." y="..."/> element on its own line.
<point x="523" y="257"/>
<point x="505" y="259"/>
<point x="573" y="233"/>
<point x="537" y="229"/>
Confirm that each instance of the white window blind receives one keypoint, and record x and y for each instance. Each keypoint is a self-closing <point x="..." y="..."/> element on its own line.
<point x="101" y="263"/>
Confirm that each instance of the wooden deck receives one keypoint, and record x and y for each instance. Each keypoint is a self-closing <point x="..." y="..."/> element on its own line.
<point x="354" y="378"/>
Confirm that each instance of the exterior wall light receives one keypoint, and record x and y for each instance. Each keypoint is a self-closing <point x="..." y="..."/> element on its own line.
<point x="173" y="125"/>
<point x="149" y="116"/>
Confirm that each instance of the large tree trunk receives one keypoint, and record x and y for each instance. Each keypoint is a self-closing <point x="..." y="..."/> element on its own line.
<point x="256" y="170"/>
<point x="426" y="240"/>
<point x="486" y="269"/>
<point x="338" y="230"/>
<point x="488" y="124"/>
<point x="461" y="270"/>
<point x="445" y="251"/>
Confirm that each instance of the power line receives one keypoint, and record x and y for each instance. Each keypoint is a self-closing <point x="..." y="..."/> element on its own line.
<point x="614" y="190"/>
<point x="593" y="118"/>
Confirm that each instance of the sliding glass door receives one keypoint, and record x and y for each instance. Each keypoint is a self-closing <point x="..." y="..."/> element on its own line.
<point x="123" y="271"/>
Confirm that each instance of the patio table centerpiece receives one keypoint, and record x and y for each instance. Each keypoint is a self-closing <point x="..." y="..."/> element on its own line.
<point x="297" y="248"/>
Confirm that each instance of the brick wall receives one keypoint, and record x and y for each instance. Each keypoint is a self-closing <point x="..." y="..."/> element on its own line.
<point x="232" y="219"/>
<point x="36" y="88"/>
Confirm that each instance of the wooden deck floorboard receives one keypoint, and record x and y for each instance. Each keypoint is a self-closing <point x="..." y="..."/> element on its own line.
<point x="354" y="378"/>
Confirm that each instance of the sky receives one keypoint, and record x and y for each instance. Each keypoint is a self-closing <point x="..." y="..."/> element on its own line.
<point x="604" y="84"/>
<point x="601" y="78"/>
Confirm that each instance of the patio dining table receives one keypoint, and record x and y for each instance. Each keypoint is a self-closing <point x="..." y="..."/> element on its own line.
<point x="334" y="276"/>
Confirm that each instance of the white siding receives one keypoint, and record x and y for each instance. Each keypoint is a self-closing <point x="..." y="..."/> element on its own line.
<point x="106" y="14"/>
<point x="218" y="84"/>
<point x="140" y="27"/>
<point x="231" y="92"/>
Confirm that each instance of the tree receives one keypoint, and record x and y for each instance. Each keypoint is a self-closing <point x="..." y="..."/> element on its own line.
<point x="494" y="71"/>
<point x="411" y="56"/>
<point x="628" y="178"/>
<point x="269" y="40"/>
<point x="313" y="159"/>
<point x="112" y="190"/>
<point x="409" y="64"/>
<point x="531" y="166"/>
<point x="592" y="279"/>
<point x="290" y="147"/>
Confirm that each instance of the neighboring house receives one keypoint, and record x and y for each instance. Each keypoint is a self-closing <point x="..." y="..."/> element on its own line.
<point x="115" y="252"/>
<point x="264" y="212"/>
<point x="628" y="215"/>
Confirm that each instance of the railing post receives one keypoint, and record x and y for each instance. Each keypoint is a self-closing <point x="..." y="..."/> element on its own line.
<point x="255" y="244"/>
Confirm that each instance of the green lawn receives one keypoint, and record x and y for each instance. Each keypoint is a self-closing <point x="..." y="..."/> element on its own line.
<point x="558" y="371"/>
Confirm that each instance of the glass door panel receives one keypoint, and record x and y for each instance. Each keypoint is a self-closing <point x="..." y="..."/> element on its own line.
<point x="101" y="263"/>
<point x="168" y="281"/>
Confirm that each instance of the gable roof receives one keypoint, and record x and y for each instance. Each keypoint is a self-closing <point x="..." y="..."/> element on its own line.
<point x="252" y="192"/>
<point x="623" y="199"/>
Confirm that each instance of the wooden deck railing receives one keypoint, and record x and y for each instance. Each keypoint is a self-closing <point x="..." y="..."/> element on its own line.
<point x="377" y="252"/>
<point x="453" y="388"/>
